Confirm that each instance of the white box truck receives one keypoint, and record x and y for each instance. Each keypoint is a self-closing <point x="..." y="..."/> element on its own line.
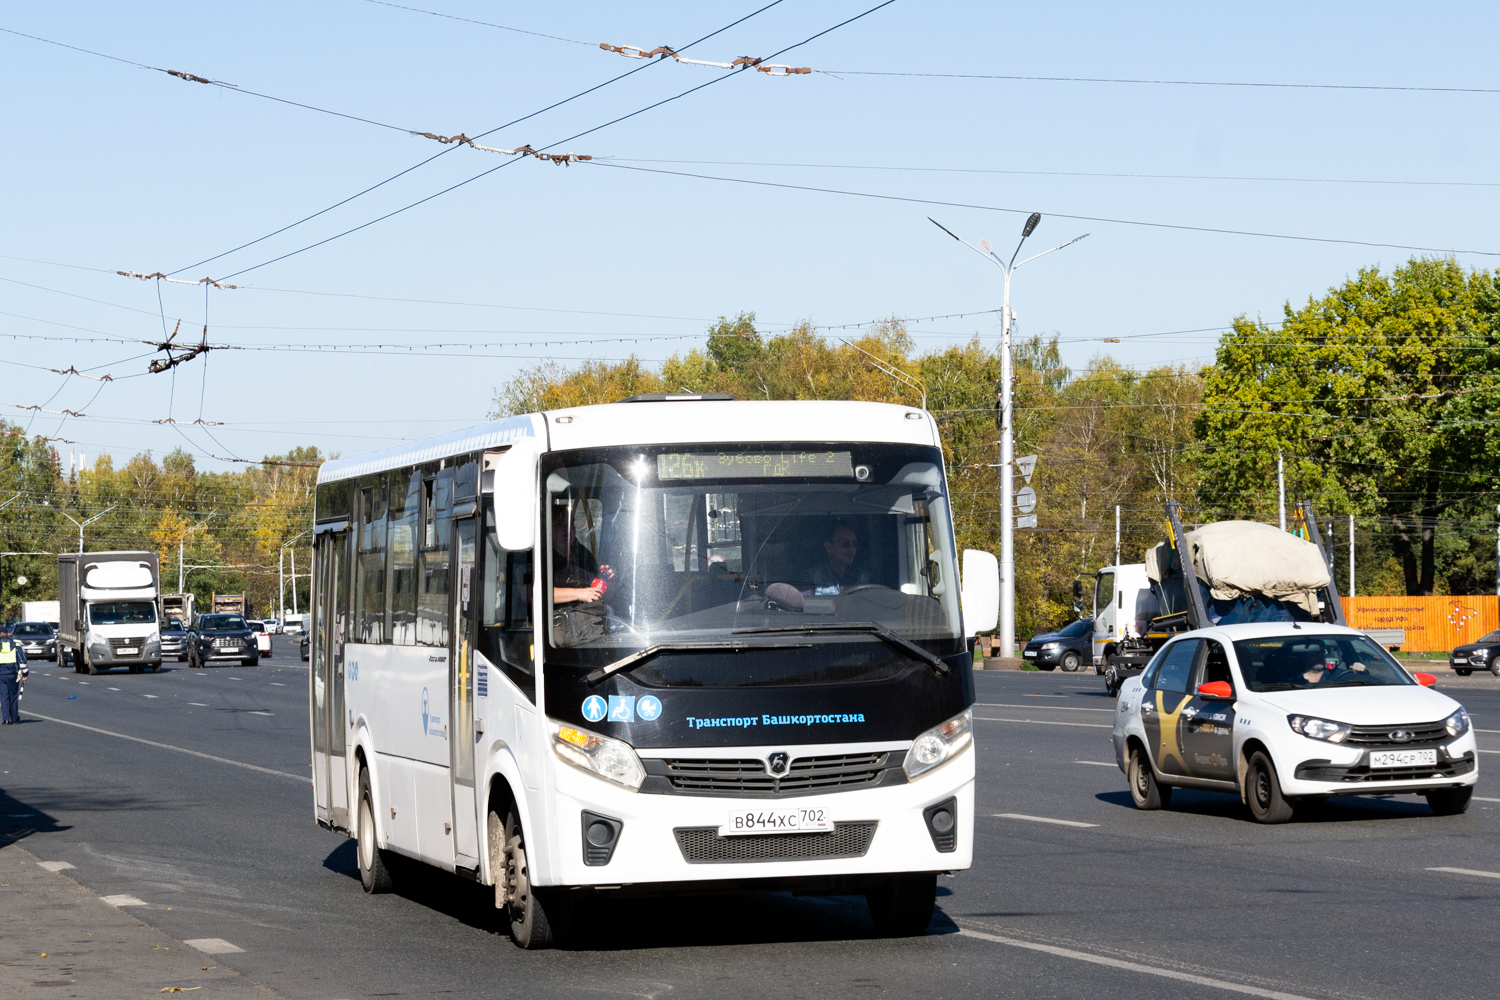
<point x="42" y="611"/>
<point x="109" y="614"/>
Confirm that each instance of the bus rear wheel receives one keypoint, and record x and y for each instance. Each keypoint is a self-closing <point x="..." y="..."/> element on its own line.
<point x="374" y="874"/>
<point x="530" y="920"/>
<point x="901" y="905"/>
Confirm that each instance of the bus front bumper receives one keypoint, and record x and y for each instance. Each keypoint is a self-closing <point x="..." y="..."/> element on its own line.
<point x="667" y="838"/>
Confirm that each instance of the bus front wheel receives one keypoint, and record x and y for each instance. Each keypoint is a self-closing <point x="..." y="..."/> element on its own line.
<point x="901" y="905"/>
<point x="374" y="875"/>
<point x="530" y="919"/>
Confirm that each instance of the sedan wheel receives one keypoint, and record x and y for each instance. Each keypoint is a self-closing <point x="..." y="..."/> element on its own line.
<point x="1072" y="662"/>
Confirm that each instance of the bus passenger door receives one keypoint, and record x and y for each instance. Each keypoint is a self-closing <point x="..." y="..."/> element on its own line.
<point x="461" y="702"/>
<point x="326" y="651"/>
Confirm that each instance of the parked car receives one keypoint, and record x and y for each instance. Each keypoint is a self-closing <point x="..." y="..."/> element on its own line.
<point x="262" y="636"/>
<point x="1070" y="647"/>
<point x="222" y="637"/>
<point x="1483" y="654"/>
<point x="174" y="639"/>
<point x="39" y="639"/>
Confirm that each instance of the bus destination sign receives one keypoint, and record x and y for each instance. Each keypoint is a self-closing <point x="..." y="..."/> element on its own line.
<point x="755" y="465"/>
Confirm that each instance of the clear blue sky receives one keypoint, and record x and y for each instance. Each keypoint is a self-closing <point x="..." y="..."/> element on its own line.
<point x="110" y="166"/>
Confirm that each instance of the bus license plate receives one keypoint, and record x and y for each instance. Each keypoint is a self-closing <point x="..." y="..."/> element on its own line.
<point x="743" y="821"/>
<point x="1402" y="758"/>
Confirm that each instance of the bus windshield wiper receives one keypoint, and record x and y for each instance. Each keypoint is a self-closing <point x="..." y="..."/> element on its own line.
<point x="642" y="655"/>
<point x="889" y="636"/>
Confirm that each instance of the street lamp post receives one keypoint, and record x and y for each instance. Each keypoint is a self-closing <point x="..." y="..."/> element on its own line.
<point x="281" y="571"/>
<point x="1007" y="425"/>
<point x="85" y="524"/>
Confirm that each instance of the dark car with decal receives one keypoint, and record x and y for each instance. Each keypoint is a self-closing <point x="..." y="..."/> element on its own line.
<point x="220" y="638"/>
<point x="1070" y="647"/>
<point x="1482" y="654"/>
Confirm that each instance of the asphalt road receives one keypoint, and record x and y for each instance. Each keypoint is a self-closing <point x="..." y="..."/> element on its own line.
<point x="219" y="841"/>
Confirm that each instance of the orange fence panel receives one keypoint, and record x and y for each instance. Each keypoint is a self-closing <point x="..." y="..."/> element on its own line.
<point x="1433" y="624"/>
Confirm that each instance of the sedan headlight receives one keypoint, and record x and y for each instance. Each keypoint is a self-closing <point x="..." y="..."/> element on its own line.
<point x="608" y="758"/>
<point x="939" y="744"/>
<point x="1051" y="647"/>
<point x="1319" y="729"/>
<point x="1458" y="723"/>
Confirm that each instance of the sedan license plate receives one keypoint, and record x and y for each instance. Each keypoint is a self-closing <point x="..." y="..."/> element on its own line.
<point x="1029" y="652"/>
<point x="1402" y="758"/>
<point x="743" y="821"/>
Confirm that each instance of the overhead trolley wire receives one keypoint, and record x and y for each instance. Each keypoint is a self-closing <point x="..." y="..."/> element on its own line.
<point x="1026" y="211"/>
<point x="1252" y="84"/>
<point x="451" y="148"/>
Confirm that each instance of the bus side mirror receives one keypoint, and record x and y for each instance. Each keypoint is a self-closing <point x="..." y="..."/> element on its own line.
<point x="980" y="597"/>
<point x="515" y="496"/>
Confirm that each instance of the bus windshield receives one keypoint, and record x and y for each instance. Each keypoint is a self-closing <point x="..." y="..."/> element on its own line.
<point x="653" y="546"/>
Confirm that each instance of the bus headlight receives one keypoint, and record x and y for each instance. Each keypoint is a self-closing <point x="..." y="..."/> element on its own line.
<point x="939" y="744"/>
<point x="608" y="758"/>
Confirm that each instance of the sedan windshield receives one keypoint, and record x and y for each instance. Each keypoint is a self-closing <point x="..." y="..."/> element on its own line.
<point x="123" y="613"/>
<point x="40" y="630"/>
<point x="221" y="623"/>
<point x="1307" y="662"/>
<point x="1076" y="629"/>
<point x="649" y="545"/>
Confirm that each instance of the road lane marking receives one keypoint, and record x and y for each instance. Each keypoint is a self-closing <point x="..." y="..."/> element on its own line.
<point x="277" y="684"/>
<point x="152" y="696"/>
<point x="262" y="713"/>
<point x="1466" y="871"/>
<point x="1118" y="963"/>
<point x="114" y="689"/>
<point x="1055" y="708"/>
<point x="1043" y="819"/>
<point x="54" y="866"/>
<point x="123" y="900"/>
<point x="197" y="704"/>
<point x="1481" y="798"/>
<point x="1096" y="763"/>
<point x="1489" y="751"/>
<point x="1044" y="722"/>
<point x="212" y="946"/>
<point x="1487" y="730"/>
<point x="168" y="746"/>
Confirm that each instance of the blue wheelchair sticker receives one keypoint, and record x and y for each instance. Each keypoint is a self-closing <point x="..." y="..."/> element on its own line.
<point x="648" y="708"/>
<point x="622" y="708"/>
<point x="594" y="708"/>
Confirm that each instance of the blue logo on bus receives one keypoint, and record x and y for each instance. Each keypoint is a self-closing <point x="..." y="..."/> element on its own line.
<point x="424" y="712"/>
<point x="594" y="708"/>
<point x="648" y="708"/>
<point x="622" y="708"/>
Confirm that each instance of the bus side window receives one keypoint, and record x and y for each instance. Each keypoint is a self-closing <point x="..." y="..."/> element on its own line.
<point x="505" y="614"/>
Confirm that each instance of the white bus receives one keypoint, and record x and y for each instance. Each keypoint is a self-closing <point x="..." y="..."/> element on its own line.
<point x="669" y="643"/>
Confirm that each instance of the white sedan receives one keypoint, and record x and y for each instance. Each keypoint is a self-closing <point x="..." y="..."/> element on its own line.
<point x="262" y="637"/>
<point x="1279" y="712"/>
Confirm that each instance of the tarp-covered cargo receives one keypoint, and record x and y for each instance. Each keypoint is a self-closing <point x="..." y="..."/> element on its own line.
<point x="1247" y="559"/>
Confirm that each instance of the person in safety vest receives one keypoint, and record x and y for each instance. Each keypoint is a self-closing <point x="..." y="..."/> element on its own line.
<point x="13" y="672"/>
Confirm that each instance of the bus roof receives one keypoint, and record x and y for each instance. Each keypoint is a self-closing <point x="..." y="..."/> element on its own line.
<point x="661" y="422"/>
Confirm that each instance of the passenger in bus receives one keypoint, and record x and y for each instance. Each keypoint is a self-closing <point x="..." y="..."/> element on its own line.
<point x="836" y="570"/>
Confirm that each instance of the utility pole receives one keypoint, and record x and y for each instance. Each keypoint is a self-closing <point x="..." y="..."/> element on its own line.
<point x="181" y="573"/>
<point x="294" y="579"/>
<point x="1006" y="466"/>
<point x="1117" y="534"/>
<point x="1352" y="591"/>
<point x="1280" y="492"/>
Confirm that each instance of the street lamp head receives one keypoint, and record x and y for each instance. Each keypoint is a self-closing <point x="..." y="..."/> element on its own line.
<point x="1030" y="226"/>
<point x="986" y="247"/>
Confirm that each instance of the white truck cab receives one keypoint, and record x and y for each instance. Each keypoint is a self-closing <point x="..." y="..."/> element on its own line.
<point x="1123" y="608"/>
<point x="109" y="610"/>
